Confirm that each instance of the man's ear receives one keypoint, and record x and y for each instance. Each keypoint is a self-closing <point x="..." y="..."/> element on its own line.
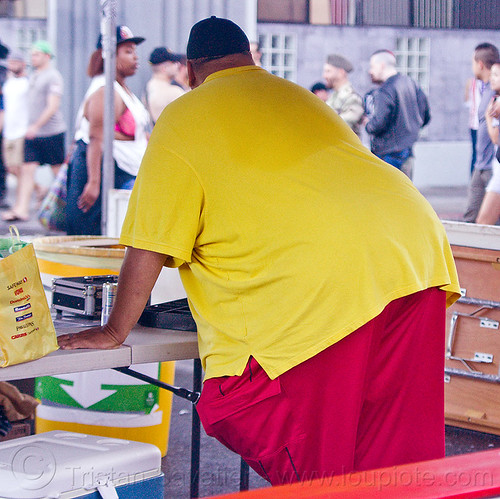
<point x="191" y="75"/>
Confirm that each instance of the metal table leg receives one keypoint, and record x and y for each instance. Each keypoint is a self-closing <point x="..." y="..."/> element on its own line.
<point x="195" y="433"/>
<point x="244" y="476"/>
<point x="192" y="396"/>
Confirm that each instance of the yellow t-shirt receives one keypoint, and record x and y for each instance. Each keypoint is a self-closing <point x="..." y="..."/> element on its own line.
<point x="288" y="233"/>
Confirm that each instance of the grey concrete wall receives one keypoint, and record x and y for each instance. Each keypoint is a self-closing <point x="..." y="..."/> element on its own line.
<point x="444" y="163"/>
<point x="450" y="63"/>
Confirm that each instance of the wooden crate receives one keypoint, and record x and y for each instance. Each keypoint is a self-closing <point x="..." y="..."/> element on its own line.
<point x="472" y="366"/>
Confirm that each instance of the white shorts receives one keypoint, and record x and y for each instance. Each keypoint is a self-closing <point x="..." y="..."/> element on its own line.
<point x="494" y="183"/>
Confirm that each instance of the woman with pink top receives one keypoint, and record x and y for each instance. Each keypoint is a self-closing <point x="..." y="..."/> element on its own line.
<point x="83" y="210"/>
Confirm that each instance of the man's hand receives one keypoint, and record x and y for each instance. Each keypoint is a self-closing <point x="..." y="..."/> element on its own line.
<point x="494" y="108"/>
<point x="89" y="196"/>
<point x="31" y="132"/>
<point x="138" y="274"/>
<point x="103" y="337"/>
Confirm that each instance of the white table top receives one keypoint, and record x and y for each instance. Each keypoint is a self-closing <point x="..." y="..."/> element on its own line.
<point x="473" y="235"/>
<point x="157" y="345"/>
<point x="143" y="345"/>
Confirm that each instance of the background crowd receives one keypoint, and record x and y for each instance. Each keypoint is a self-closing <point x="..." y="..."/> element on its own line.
<point x="391" y="115"/>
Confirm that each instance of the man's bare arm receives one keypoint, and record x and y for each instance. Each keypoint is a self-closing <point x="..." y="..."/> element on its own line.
<point x="53" y="104"/>
<point x="138" y="274"/>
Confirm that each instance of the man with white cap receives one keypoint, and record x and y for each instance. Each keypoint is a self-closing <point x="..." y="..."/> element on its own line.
<point x="313" y="310"/>
<point x="344" y="100"/>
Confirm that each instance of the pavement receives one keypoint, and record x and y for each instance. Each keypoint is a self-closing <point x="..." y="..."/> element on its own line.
<point x="448" y="202"/>
<point x="219" y="467"/>
<point x="31" y="228"/>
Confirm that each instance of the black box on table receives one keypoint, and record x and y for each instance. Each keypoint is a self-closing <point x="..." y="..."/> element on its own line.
<point x="80" y="295"/>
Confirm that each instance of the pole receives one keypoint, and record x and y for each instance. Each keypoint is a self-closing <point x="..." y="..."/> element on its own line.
<point x="108" y="32"/>
<point x="195" y="434"/>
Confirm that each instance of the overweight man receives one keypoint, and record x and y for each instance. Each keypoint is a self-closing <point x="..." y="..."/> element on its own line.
<point x="317" y="274"/>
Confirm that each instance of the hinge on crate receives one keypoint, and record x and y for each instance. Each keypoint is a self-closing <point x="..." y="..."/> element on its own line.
<point x="485" y="358"/>
<point x="488" y="323"/>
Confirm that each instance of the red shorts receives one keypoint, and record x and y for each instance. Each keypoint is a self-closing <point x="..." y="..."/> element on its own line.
<point x="374" y="399"/>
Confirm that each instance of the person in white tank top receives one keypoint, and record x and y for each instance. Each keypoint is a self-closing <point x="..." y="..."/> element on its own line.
<point x="132" y="122"/>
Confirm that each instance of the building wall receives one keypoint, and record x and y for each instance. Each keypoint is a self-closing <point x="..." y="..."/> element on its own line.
<point x="450" y="63"/>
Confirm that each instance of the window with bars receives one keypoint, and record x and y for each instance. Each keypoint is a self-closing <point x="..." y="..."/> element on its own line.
<point x="26" y="36"/>
<point x="413" y="59"/>
<point x="385" y="13"/>
<point x="27" y="9"/>
<point x="287" y="11"/>
<point x="338" y="12"/>
<point x="279" y="54"/>
<point x="479" y="14"/>
<point x="467" y="14"/>
<point x="433" y="13"/>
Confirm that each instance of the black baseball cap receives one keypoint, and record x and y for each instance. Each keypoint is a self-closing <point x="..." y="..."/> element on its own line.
<point x="4" y="51"/>
<point x="123" y="34"/>
<point x="215" y="36"/>
<point x="318" y="86"/>
<point x="162" y="54"/>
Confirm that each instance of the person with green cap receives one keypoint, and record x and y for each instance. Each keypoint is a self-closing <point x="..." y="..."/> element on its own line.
<point x="44" y="141"/>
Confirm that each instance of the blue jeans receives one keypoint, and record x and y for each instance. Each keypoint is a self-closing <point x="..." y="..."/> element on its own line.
<point x="473" y="137"/>
<point x="396" y="158"/>
<point x="78" y="222"/>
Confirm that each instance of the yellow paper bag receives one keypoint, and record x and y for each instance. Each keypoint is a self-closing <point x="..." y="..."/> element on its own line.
<point x="26" y="328"/>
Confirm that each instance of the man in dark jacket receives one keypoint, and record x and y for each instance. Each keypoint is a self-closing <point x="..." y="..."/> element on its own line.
<point x="400" y="109"/>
